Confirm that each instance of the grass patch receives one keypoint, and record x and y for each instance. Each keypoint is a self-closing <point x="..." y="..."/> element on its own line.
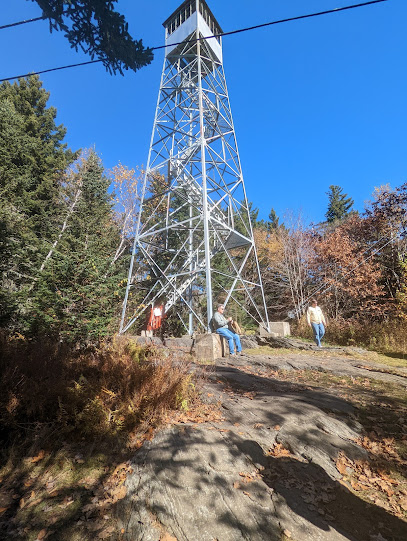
<point x="389" y="360"/>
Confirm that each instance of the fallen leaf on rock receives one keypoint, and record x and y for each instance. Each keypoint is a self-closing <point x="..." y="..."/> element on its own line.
<point x="236" y="485"/>
<point x="341" y="465"/>
<point x="247" y="477"/>
<point x="120" y="493"/>
<point x="278" y="450"/>
<point x="67" y="501"/>
<point x="3" y="509"/>
<point x="355" y="485"/>
<point x="287" y="533"/>
<point x="277" y="427"/>
<point x="149" y="435"/>
<point x="42" y="534"/>
<point x="123" y="466"/>
<point x="39" y="457"/>
<point x="35" y="502"/>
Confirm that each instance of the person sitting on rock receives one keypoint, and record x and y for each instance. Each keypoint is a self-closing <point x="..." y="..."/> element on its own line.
<point x="221" y="325"/>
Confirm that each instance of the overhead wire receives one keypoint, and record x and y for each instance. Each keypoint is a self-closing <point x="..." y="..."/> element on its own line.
<point x="232" y="32"/>
<point x="11" y="25"/>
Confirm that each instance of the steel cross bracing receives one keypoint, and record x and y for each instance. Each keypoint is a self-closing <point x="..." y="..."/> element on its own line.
<point x="194" y="241"/>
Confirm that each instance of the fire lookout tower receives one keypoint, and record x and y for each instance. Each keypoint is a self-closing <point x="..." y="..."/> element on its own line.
<point x="194" y="241"/>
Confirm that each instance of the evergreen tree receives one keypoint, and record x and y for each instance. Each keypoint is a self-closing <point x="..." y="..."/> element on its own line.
<point x="339" y="204"/>
<point x="77" y="296"/>
<point x="273" y="223"/>
<point x="32" y="159"/>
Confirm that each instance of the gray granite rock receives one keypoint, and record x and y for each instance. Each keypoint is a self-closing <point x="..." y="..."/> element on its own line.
<point x="268" y="466"/>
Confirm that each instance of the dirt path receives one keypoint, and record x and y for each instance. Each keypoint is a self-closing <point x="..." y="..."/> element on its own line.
<point x="267" y="470"/>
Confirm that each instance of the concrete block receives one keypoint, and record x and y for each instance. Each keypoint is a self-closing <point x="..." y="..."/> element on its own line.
<point x="209" y="347"/>
<point x="277" y="329"/>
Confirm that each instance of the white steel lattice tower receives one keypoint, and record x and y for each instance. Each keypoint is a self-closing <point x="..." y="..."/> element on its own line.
<point x="194" y="242"/>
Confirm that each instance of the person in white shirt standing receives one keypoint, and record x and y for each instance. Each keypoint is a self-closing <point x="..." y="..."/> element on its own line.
<point x="317" y="322"/>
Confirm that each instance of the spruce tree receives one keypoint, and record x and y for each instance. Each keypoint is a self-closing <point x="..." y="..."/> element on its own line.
<point x="77" y="295"/>
<point x="32" y="159"/>
<point x="339" y="204"/>
<point x="273" y="223"/>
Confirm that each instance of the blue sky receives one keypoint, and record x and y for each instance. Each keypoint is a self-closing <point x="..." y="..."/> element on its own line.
<point x="315" y="102"/>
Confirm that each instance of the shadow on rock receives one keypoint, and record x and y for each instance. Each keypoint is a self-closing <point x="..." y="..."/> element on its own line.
<point x="306" y="490"/>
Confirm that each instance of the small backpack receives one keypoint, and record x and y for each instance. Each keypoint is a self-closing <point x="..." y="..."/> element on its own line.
<point x="212" y="325"/>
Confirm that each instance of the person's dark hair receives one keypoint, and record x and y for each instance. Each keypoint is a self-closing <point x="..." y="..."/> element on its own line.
<point x="314" y="301"/>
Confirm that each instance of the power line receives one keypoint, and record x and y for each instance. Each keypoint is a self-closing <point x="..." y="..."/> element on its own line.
<point x="11" y="25"/>
<point x="249" y="28"/>
<point x="49" y="70"/>
<point x="299" y="17"/>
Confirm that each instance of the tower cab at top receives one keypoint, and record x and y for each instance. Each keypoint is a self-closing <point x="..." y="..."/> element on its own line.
<point x="191" y="17"/>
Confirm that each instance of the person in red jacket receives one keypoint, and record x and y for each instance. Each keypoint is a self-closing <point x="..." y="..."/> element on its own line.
<point x="155" y="318"/>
